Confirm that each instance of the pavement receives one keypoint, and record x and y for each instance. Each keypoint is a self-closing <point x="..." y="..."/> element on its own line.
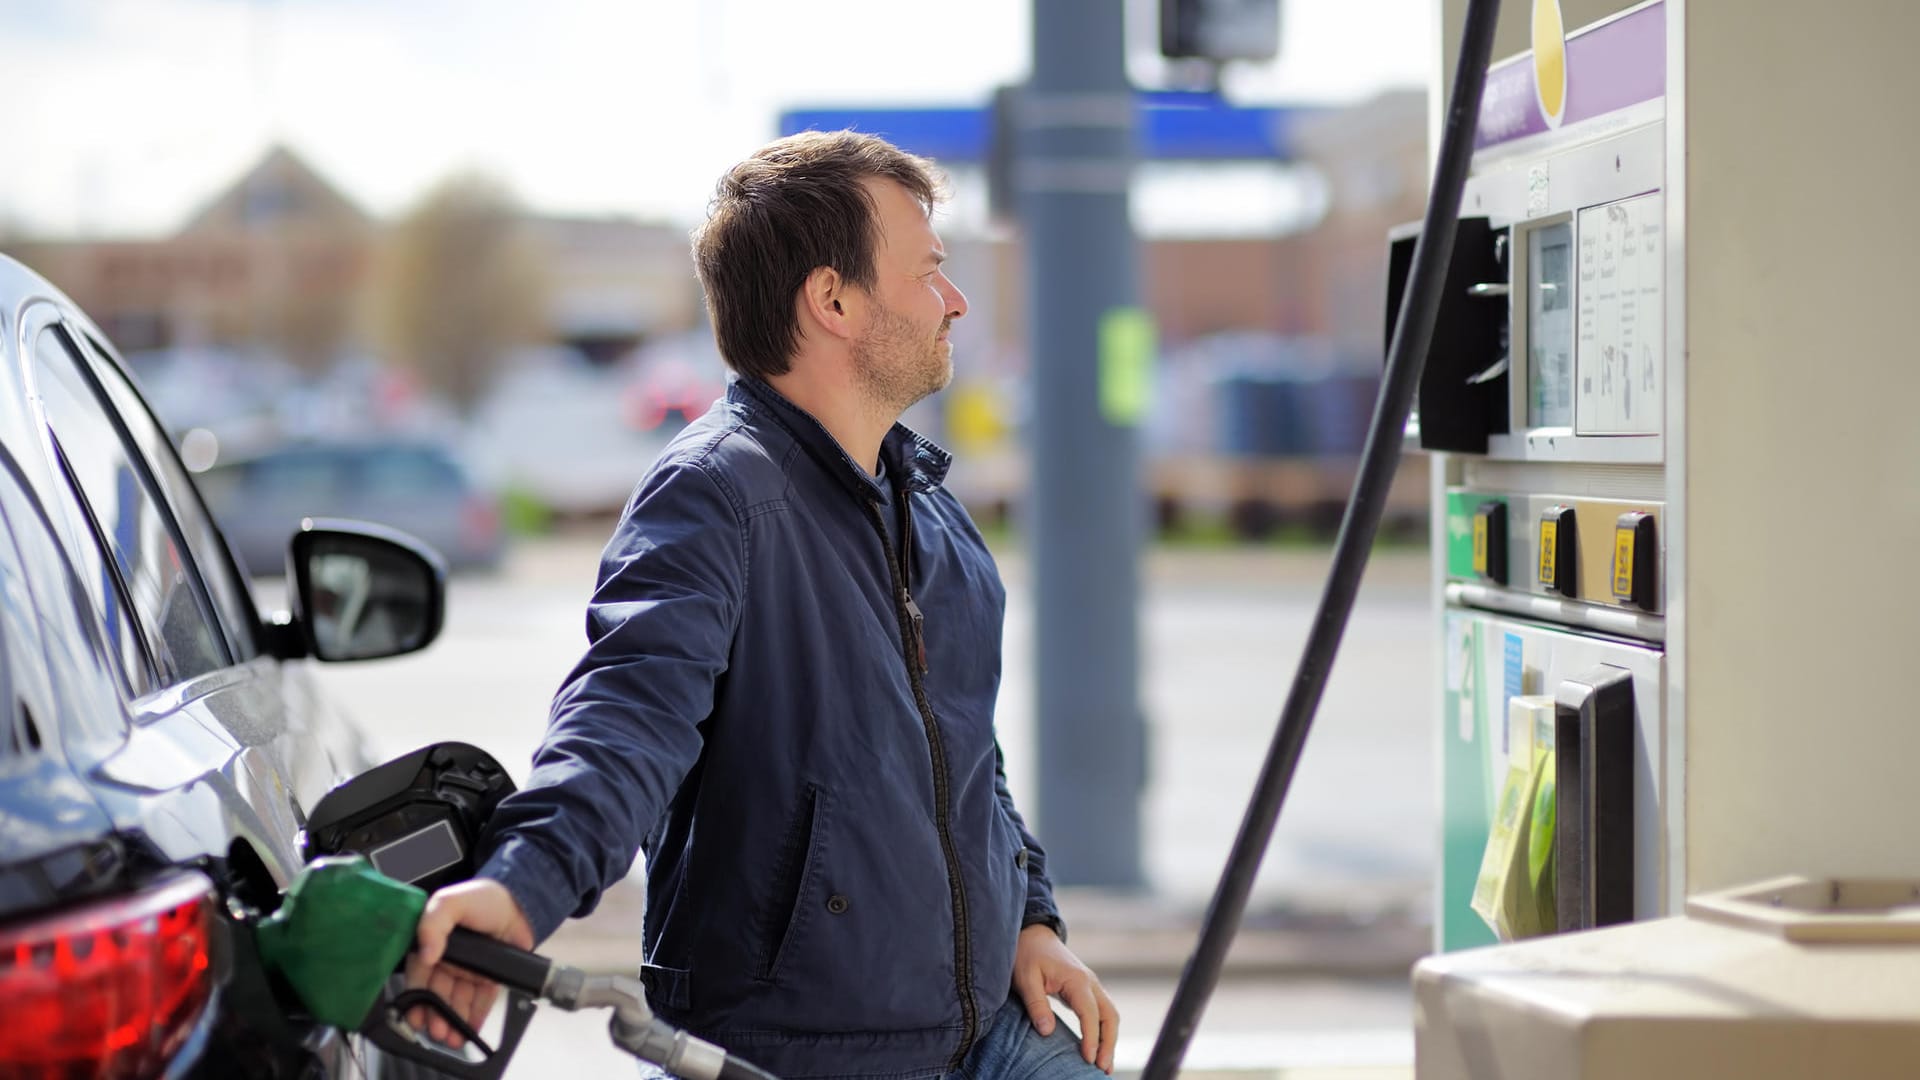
<point x="1315" y="985"/>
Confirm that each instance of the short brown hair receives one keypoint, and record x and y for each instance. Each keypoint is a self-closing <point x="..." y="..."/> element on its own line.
<point x="796" y="205"/>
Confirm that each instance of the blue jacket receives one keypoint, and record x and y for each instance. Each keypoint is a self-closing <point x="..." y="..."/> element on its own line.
<point x="836" y="871"/>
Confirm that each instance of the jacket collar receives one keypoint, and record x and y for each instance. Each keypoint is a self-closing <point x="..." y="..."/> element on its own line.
<point x="908" y="454"/>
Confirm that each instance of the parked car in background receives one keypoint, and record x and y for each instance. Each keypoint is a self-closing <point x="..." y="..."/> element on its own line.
<point x="413" y="485"/>
<point x="161" y="745"/>
<point x="671" y="382"/>
<point x="553" y="431"/>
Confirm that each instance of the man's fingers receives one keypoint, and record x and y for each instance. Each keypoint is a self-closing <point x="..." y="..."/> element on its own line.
<point x="1040" y="1011"/>
<point x="1032" y="988"/>
<point x="484" y="996"/>
<point x="462" y="1001"/>
<point x="442" y="986"/>
<point x="1078" y="994"/>
<point x="417" y="975"/>
<point x="436" y="922"/>
<point x="1109" y="1028"/>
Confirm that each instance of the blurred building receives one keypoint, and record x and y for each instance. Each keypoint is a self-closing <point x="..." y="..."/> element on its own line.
<point x="1374" y="158"/>
<point x="1269" y="333"/>
<point x="282" y="259"/>
<point x="1326" y="281"/>
<point x="279" y="258"/>
<point x="614" y="282"/>
<point x="1271" y="341"/>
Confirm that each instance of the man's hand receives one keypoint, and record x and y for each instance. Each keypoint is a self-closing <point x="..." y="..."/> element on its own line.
<point x="482" y="905"/>
<point x="1043" y="966"/>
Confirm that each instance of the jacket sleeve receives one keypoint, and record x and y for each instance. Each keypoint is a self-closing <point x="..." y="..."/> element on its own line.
<point x="625" y="727"/>
<point x="1040" y="906"/>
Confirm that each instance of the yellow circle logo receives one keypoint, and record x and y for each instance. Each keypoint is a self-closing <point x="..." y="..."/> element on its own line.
<point x="1550" y="60"/>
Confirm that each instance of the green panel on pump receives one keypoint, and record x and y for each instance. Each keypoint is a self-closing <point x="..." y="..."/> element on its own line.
<point x="1468" y="774"/>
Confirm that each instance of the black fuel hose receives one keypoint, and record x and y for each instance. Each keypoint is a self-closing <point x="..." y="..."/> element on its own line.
<point x="1406" y="354"/>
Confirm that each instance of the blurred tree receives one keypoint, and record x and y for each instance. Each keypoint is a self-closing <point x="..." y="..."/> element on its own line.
<point x="457" y="285"/>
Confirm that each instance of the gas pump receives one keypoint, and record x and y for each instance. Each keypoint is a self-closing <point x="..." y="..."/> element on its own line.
<point x="1543" y="402"/>
<point x="1675" y="742"/>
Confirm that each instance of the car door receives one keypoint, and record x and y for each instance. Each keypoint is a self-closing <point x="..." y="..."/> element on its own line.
<point x="194" y="661"/>
<point x="318" y="746"/>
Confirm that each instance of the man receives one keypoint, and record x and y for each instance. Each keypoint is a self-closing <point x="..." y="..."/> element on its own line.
<point x="787" y="700"/>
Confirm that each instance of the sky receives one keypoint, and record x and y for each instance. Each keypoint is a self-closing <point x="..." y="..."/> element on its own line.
<point x="123" y="116"/>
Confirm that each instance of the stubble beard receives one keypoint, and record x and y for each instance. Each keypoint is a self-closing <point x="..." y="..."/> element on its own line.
<point x="896" y="366"/>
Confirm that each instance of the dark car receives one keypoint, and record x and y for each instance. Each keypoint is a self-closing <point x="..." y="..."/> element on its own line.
<point x="410" y="484"/>
<point x="160" y="744"/>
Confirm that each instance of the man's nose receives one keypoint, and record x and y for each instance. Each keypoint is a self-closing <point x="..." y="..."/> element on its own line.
<point x="956" y="300"/>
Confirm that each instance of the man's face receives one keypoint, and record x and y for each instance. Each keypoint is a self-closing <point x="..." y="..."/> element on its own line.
<point x="902" y="353"/>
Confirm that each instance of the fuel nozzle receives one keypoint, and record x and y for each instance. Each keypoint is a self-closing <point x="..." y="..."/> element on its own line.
<point x="336" y="942"/>
<point x="343" y="930"/>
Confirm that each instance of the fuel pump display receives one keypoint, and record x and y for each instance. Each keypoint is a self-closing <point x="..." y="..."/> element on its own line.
<point x="1550" y="327"/>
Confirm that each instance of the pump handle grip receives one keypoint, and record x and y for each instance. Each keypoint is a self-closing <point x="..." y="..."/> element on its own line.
<point x="512" y="967"/>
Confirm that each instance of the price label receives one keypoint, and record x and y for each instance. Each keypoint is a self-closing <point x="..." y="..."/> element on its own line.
<point x="1636" y="555"/>
<point x="1623" y="563"/>
<point x="1559" y="543"/>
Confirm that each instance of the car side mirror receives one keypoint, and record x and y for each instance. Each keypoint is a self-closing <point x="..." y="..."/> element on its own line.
<point x="362" y="591"/>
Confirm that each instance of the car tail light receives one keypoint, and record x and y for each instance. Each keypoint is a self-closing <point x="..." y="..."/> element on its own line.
<point x="109" y="990"/>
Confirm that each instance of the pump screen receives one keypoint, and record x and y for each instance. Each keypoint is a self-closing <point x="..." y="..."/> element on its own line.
<point x="1550" y="326"/>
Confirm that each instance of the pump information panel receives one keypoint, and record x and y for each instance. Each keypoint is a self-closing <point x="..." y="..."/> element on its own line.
<point x="1620" y="353"/>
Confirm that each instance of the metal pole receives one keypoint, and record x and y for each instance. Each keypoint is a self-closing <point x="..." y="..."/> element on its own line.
<point x="1074" y="156"/>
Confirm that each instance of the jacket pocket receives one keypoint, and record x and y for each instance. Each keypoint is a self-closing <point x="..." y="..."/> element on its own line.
<point x="671" y="987"/>
<point x="796" y="864"/>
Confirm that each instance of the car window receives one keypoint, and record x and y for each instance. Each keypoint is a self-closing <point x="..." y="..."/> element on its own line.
<point x="217" y="573"/>
<point x="53" y="638"/>
<point x="404" y="473"/>
<point x="117" y="498"/>
<point x="132" y="668"/>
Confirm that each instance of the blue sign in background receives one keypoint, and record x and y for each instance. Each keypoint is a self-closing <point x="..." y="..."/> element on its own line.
<point x="1172" y="125"/>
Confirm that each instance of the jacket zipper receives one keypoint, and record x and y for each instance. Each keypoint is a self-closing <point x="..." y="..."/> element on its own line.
<point x="913" y="638"/>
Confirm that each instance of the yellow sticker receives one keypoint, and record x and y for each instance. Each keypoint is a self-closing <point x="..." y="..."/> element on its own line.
<point x="1623" y="562"/>
<point x="1480" y="544"/>
<point x="1549" y="532"/>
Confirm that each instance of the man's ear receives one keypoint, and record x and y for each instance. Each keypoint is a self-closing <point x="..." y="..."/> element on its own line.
<point x="826" y="302"/>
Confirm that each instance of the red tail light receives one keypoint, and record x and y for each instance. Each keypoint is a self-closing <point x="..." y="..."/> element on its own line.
<point x="110" y="990"/>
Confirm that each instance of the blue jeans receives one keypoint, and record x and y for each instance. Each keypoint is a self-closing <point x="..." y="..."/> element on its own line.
<point x="1013" y="1050"/>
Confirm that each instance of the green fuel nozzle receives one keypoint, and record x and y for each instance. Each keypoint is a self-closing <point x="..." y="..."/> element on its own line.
<point x="343" y="930"/>
<point x="340" y="935"/>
